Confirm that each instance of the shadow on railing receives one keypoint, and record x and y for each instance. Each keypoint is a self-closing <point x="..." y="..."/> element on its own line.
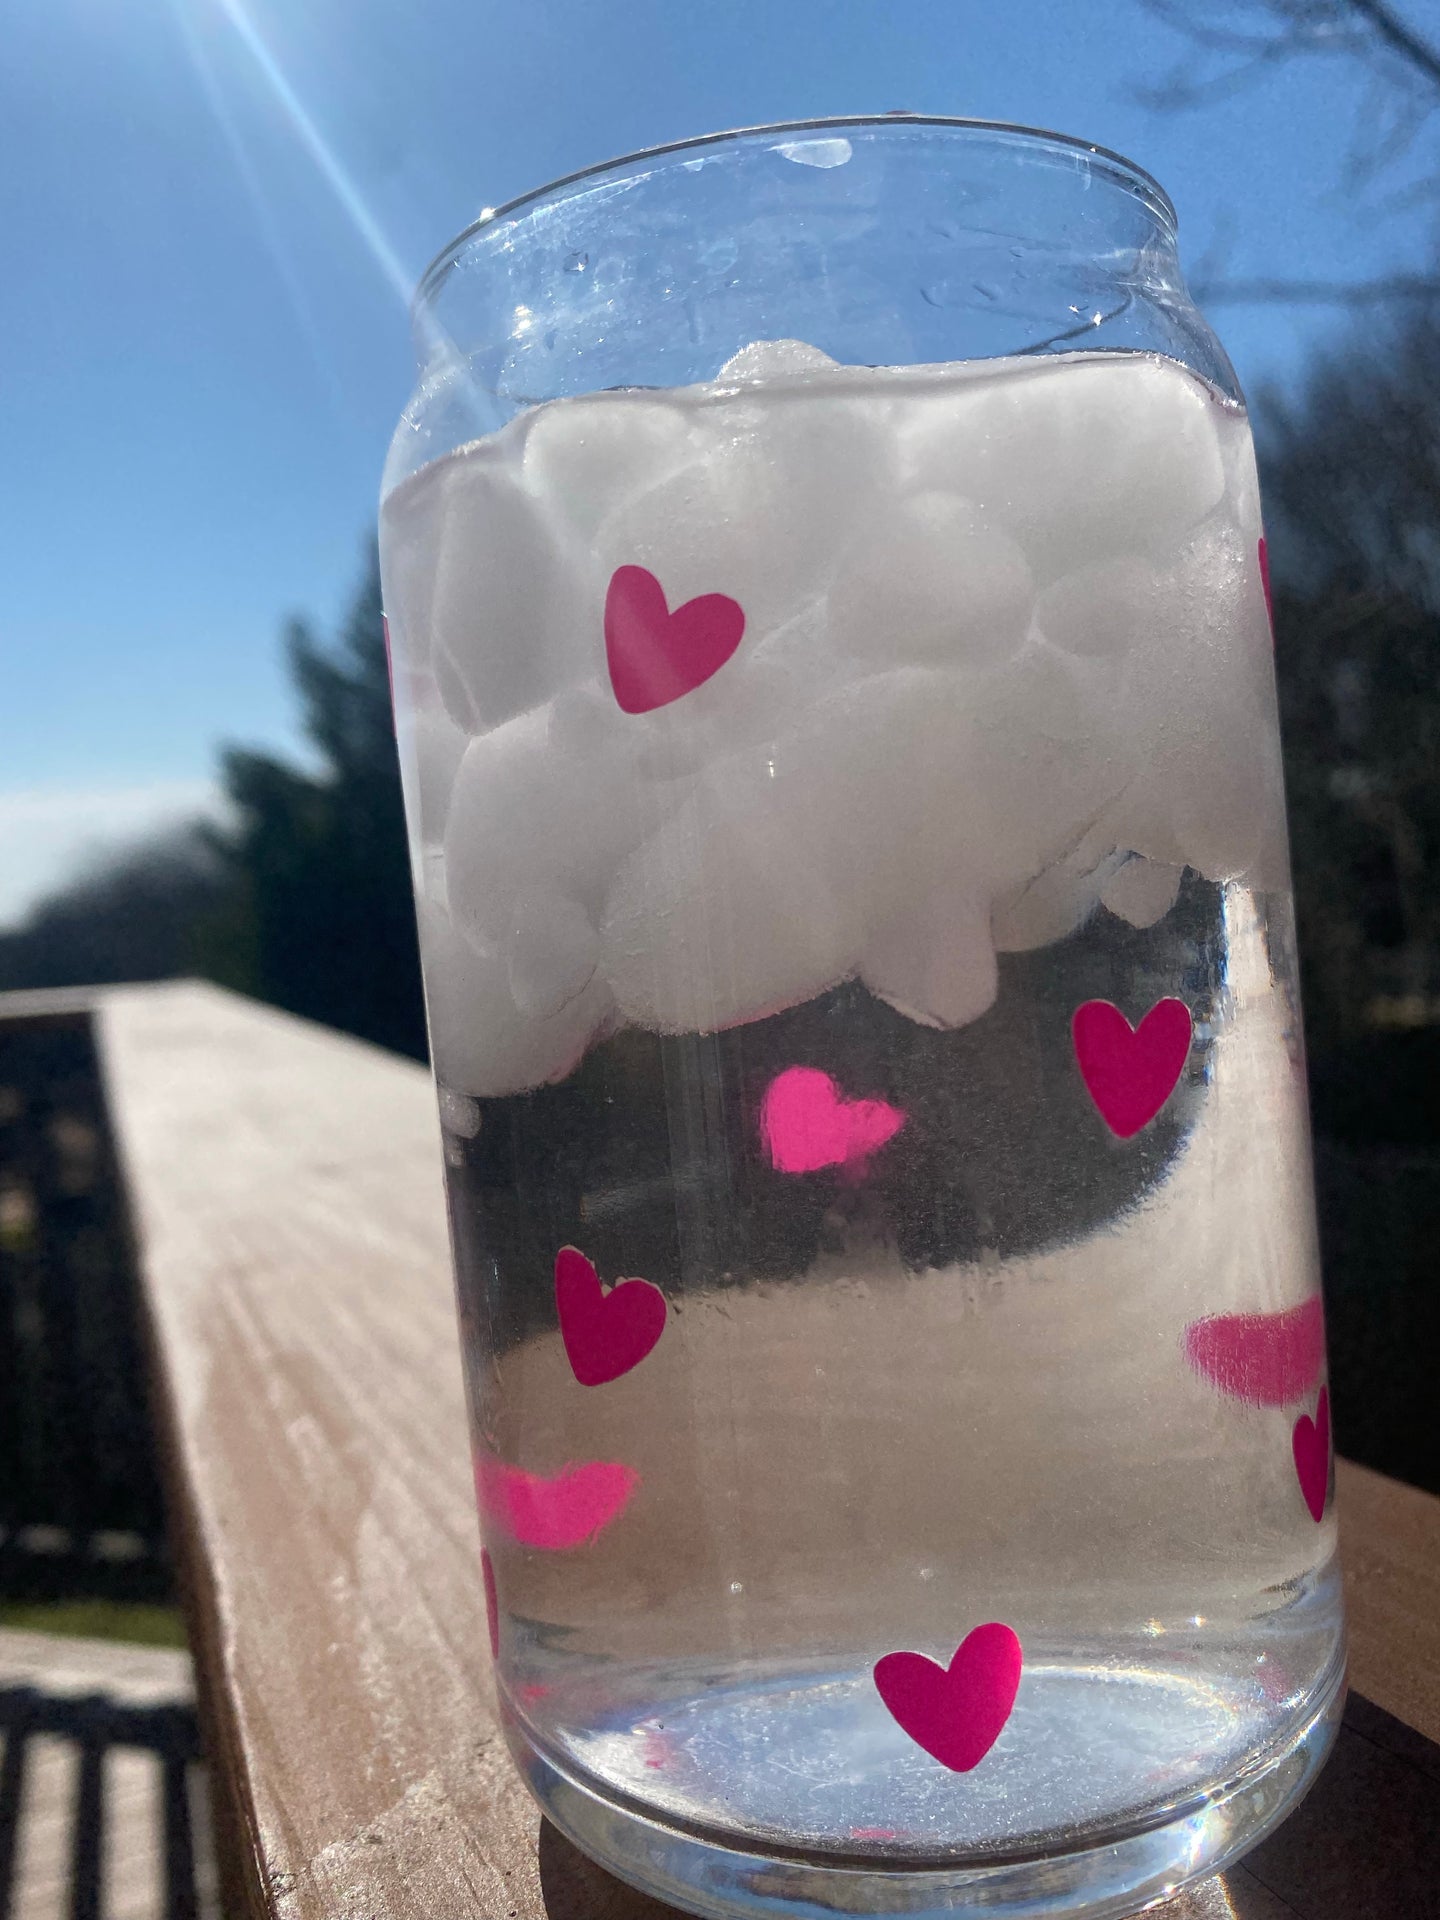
<point x="80" y="1502"/>
<point x="94" y="1726"/>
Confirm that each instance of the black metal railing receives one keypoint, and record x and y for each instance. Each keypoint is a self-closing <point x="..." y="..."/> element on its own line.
<point x="80" y="1502"/>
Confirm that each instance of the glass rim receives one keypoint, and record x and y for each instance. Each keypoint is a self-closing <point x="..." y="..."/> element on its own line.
<point x="436" y="272"/>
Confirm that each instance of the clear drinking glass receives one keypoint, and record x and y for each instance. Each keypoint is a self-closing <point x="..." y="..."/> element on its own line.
<point x="833" y="678"/>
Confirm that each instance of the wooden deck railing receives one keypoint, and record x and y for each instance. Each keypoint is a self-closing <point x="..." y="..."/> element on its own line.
<point x="283" y="1192"/>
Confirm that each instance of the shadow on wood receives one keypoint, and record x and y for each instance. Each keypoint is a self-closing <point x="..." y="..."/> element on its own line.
<point x="574" y="1888"/>
<point x="65" y="1794"/>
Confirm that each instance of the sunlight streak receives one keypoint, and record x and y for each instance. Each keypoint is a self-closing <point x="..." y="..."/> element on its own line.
<point x="320" y="152"/>
<point x="269" y="232"/>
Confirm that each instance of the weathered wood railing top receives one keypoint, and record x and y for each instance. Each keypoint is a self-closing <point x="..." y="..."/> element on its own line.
<point x="284" y="1193"/>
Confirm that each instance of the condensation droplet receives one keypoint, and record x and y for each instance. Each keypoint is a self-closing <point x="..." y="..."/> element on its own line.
<point x="815" y="153"/>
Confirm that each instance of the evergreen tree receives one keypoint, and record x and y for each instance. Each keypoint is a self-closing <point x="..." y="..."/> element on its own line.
<point x="133" y="916"/>
<point x="318" y="917"/>
<point x="1352" y="487"/>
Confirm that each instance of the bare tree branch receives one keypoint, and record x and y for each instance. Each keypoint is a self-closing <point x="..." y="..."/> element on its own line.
<point x="1424" y="58"/>
<point x="1318" y="293"/>
<point x="1280" y="30"/>
<point x="1237" y="43"/>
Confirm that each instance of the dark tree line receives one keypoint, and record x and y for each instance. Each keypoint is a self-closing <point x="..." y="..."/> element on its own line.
<point x="1353" y="499"/>
<point x="303" y="899"/>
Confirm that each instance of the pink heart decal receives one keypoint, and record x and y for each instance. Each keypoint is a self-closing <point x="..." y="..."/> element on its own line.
<point x="1262" y="554"/>
<point x="955" y="1713"/>
<point x="1267" y="1359"/>
<point x="492" y="1602"/>
<point x="807" y="1123"/>
<point x="1131" y="1072"/>
<point x="656" y="656"/>
<point x="571" y="1509"/>
<point x="1310" y="1443"/>
<point x="605" y="1334"/>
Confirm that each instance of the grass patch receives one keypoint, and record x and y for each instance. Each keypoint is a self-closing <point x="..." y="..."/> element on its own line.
<point x="140" y="1622"/>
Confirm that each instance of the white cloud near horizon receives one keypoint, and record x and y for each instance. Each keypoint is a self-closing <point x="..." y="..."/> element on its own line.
<point x="50" y="835"/>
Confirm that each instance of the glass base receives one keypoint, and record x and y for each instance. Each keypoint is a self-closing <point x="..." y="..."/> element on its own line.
<point x="1105" y="1876"/>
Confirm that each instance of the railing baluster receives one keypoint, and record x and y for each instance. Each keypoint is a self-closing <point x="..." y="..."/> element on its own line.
<point x="12" y="1799"/>
<point x="88" y="1834"/>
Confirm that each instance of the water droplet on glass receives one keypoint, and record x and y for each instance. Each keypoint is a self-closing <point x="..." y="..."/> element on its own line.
<point x="815" y="153"/>
<point x="576" y="262"/>
<point x="550" y="340"/>
<point x="986" y="291"/>
<point x="737" y="1586"/>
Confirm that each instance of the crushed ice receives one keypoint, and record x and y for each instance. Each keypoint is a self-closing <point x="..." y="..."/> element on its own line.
<point x="1006" y="657"/>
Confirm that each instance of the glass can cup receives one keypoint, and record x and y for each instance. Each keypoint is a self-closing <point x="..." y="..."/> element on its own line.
<point x="832" y="667"/>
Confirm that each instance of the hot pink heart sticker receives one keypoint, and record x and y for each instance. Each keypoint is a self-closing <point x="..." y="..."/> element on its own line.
<point x="572" y="1508"/>
<point x="1131" y="1072"/>
<point x="605" y="1334"/>
<point x="656" y="656"/>
<point x="1262" y="554"/>
<point x="807" y="1123"/>
<point x="1310" y="1443"/>
<point x="1267" y="1359"/>
<point x="492" y="1602"/>
<point x="955" y="1713"/>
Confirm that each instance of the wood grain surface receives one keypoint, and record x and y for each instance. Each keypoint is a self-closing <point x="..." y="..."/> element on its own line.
<point x="285" y="1194"/>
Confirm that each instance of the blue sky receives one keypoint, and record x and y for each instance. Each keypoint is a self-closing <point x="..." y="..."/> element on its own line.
<point x="211" y="209"/>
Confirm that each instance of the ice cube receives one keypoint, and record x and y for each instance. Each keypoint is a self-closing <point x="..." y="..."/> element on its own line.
<point x="935" y="964"/>
<point x="515" y="612"/>
<point x="1105" y="607"/>
<point x="582" y="722"/>
<point x="584" y="457"/>
<point x="437" y="747"/>
<point x="481" y="1042"/>
<point x="1052" y="905"/>
<point x="774" y="360"/>
<point x="1227" y="797"/>
<point x="926" y="580"/>
<point x="730" y="909"/>
<point x="1200" y="698"/>
<point x="763" y="511"/>
<point x="1057" y="696"/>
<point x="551" y="953"/>
<point x="1142" y="891"/>
<point x="1081" y="455"/>
<point x="458" y="1112"/>
<point x="524" y="816"/>
<point x="757" y="697"/>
